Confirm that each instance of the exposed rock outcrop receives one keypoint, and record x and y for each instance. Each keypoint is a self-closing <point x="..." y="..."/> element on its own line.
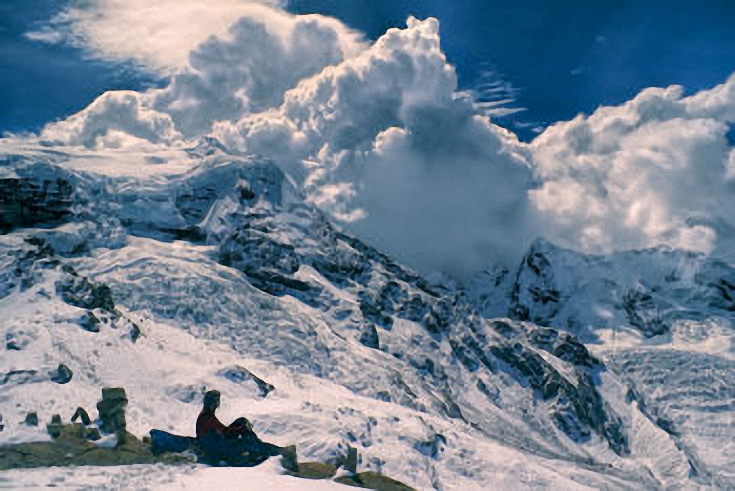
<point x="62" y="375"/>
<point x="82" y="415"/>
<point x="28" y="202"/>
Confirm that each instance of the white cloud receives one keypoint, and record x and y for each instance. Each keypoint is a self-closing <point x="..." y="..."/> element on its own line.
<point x="250" y="69"/>
<point x="652" y="171"/>
<point x="457" y="204"/>
<point x="380" y="138"/>
<point x="160" y="34"/>
<point x="47" y="35"/>
<point x="385" y="141"/>
<point x="121" y="114"/>
<point x="731" y="166"/>
<point x="245" y="71"/>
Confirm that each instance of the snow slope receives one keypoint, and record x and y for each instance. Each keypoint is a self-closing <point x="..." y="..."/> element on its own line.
<point x="143" y="478"/>
<point x="661" y="319"/>
<point x="173" y="273"/>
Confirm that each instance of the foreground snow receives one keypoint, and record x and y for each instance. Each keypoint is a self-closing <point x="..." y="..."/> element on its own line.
<point x="266" y="477"/>
<point x="159" y="477"/>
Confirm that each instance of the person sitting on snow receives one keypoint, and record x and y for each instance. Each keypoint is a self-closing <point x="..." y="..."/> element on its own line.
<point x="238" y="442"/>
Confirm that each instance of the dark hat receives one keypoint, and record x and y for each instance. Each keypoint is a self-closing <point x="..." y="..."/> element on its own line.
<point x="211" y="398"/>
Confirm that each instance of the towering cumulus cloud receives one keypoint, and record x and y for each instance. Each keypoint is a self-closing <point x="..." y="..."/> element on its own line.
<point x="245" y="70"/>
<point x="656" y="170"/>
<point x="380" y="137"/>
<point x="390" y="146"/>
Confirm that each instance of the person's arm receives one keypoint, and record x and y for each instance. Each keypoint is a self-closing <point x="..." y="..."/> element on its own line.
<point x="240" y="427"/>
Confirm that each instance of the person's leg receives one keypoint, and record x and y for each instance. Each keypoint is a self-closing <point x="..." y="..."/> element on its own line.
<point x="214" y="448"/>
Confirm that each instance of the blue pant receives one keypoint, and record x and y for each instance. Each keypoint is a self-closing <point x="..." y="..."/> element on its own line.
<point x="242" y="450"/>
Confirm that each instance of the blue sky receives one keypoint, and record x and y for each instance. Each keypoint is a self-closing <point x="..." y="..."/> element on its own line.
<point x="557" y="58"/>
<point x="42" y="82"/>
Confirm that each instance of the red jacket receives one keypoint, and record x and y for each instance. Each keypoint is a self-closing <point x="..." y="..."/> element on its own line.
<point x="208" y="422"/>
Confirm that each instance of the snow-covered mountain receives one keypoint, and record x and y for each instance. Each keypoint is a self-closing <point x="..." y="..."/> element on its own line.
<point x="661" y="319"/>
<point x="189" y="269"/>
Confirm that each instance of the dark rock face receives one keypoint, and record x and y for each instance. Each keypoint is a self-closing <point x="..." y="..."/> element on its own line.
<point x="239" y="375"/>
<point x="576" y="409"/>
<point x="80" y="413"/>
<point x="539" y="301"/>
<point x="80" y="292"/>
<point x="90" y="322"/>
<point x="135" y="332"/>
<point x="343" y="268"/>
<point x="32" y="419"/>
<point x="27" y="266"/>
<point x="722" y="294"/>
<point x="26" y="202"/>
<point x="370" y="337"/>
<point x="20" y="377"/>
<point x="112" y="410"/>
<point x="373" y="314"/>
<point x="279" y="286"/>
<point x="269" y="264"/>
<point x="433" y="315"/>
<point x="394" y="301"/>
<point x="12" y="343"/>
<point x="574" y="404"/>
<point x="195" y="203"/>
<point x="643" y="313"/>
<point x="253" y="251"/>
<point x="62" y="375"/>
<point x="564" y="346"/>
<point x="433" y="447"/>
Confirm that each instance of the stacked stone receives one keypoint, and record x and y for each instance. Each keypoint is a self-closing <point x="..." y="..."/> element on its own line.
<point x="56" y="427"/>
<point x="112" y="412"/>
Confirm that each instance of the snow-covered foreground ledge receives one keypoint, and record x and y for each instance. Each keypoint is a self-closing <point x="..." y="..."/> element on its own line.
<point x="160" y="477"/>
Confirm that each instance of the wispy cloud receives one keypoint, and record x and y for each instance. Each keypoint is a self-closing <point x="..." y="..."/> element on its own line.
<point x="494" y="96"/>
